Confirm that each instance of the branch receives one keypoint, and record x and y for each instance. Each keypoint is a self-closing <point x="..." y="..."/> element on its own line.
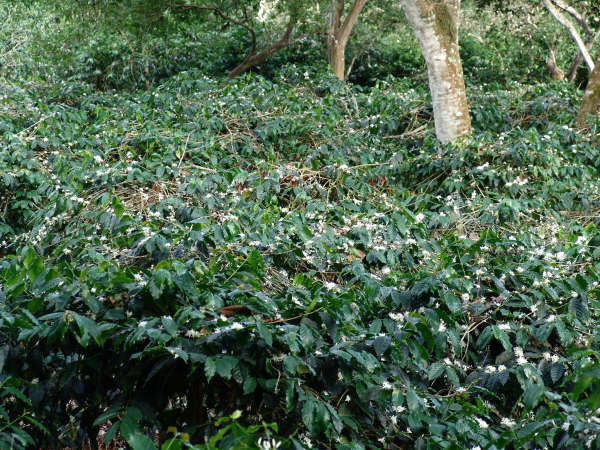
<point x="578" y="17"/>
<point x="256" y="58"/>
<point x="366" y="48"/>
<point x="579" y="58"/>
<point x="574" y="34"/>
<point x="351" y="19"/>
<point x="557" y="73"/>
<point x="223" y="16"/>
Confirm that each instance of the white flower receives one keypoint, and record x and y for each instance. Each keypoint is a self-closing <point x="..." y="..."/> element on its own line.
<point x="399" y="317"/>
<point x="442" y="326"/>
<point x="465" y="297"/>
<point x="561" y="256"/>
<point x="194" y="334"/>
<point x="386" y="385"/>
<point x="419" y="217"/>
<point x="521" y="360"/>
<point x="482" y="423"/>
<point x="518" y="352"/>
<point x="268" y="444"/>
<point x="237" y="326"/>
<point x="508" y="422"/>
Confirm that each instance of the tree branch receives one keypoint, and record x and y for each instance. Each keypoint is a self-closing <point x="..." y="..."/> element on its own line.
<point x="578" y="17"/>
<point x="350" y="20"/>
<point x="579" y="58"/>
<point x="225" y="17"/>
<point x="257" y="58"/>
<point x="367" y="47"/>
<point x="557" y="73"/>
<point x="574" y="34"/>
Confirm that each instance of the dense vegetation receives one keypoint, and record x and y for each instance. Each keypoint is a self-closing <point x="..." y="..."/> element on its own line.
<point x="285" y="259"/>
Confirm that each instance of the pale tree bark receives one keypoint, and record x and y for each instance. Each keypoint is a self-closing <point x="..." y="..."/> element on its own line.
<point x="591" y="98"/>
<point x="435" y="24"/>
<point x="339" y="33"/>
<point x="572" y="30"/>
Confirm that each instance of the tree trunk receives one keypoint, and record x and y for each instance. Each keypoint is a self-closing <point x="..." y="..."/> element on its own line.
<point x="435" y="24"/>
<point x="591" y="99"/>
<point x="339" y="33"/>
<point x="337" y="61"/>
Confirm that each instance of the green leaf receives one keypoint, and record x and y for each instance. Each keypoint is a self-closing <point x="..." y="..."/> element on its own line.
<point x="117" y="206"/>
<point x="249" y="385"/>
<point x="139" y="441"/>
<point x="532" y="395"/>
<point x="210" y="368"/>
<point x="178" y="353"/>
<point x="435" y="370"/>
<point x="87" y="327"/>
<point x="111" y="432"/>
<point x="381" y="344"/>
<point x="579" y="307"/>
<point x="452" y="302"/>
<point x="307" y="413"/>
<point x="265" y="333"/>
<point x="172" y="444"/>
<point x="170" y="325"/>
<point x="557" y="370"/>
<point x="502" y="337"/>
<point x="224" y="365"/>
<point x="412" y="400"/>
<point x="452" y="376"/>
<point x="105" y="416"/>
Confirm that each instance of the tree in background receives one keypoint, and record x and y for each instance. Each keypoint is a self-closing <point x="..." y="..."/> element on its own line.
<point x="249" y="15"/>
<point x="339" y="33"/>
<point x="556" y="9"/>
<point x="591" y="99"/>
<point x="435" y="24"/>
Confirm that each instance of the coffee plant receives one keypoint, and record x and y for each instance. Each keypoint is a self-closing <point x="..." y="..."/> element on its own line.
<point x="284" y="260"/>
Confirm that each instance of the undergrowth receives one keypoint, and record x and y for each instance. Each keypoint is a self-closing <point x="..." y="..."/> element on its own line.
<point x="292" y="261"/>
